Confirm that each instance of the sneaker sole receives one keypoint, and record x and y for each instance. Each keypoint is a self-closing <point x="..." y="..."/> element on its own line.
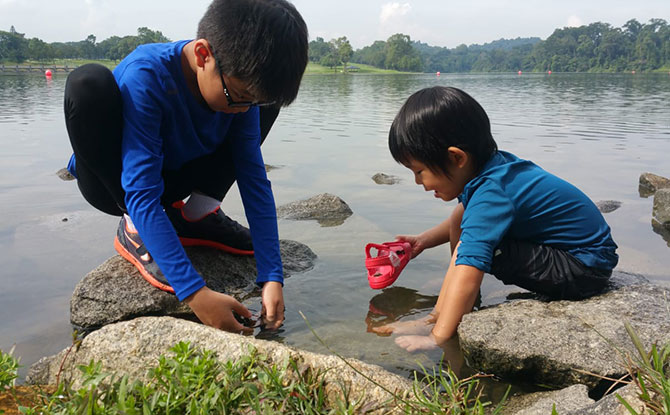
<point x="138" y="265"/>
<point x="212" y="244"/>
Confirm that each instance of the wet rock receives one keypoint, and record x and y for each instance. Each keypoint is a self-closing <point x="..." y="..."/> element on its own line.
<point x="541" y="403"/>
<point x="610" y="404"/>
<point x="553" y="343"/>
<point x="650" y="183"/>
<point x="327" y="209"/>
<point x="661" y="210"/>
<point x="64" y="175"/>
<point x="381" y="178"/>
<point x="131" y="347"/>
<point x="115" y="291"/>
<point x="269" y="168"/>
<point x="607" y="206"/>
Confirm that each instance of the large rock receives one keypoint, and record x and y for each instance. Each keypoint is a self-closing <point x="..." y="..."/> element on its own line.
<point x="541" y="403"/>
<point x="327" y="209"/>
<point x="610" y="404"/>
<point x="131" y="347"/>
<point x="555" y="343"/>
<point x="115" y="291"/>
<point x="650" y="183"/>
<point x="661" y="210"/>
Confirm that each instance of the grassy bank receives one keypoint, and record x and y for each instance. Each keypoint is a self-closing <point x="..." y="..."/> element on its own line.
<point x="190" y="381"/>
<point x="315" y="68"/>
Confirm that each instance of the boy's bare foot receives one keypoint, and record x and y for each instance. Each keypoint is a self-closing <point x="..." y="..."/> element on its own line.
<point x="422" y="326"/>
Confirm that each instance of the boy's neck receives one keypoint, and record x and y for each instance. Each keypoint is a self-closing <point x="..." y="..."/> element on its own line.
<point x="190" y="69"/>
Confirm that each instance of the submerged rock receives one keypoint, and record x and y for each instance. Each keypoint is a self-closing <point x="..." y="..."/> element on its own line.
<point x="381" y="178"/>
<point x="327" y="209"/>
<point x="555" y="343"/>
<point x="131" y="347"/>
<point x="661" y="210"/>
<point x="115" y="291"/>
<point x="650" y="183"/>
<point x="607" y="206"/>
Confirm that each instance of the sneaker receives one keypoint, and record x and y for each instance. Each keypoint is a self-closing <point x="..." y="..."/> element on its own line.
<point x="129" y="245"/>
<point x="215" y="230"/>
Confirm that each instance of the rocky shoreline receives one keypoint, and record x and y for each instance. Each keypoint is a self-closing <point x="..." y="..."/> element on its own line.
<point x="568" y="345"/>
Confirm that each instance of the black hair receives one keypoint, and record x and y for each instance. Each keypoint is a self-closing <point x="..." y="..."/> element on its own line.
<point x="261" y="42"/>
<point x="434" y="119"/>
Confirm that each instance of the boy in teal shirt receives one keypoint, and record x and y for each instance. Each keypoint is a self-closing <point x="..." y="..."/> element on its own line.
<point x="514" y="220"/>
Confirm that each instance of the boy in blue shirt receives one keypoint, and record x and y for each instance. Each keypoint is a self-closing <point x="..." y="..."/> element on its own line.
<point x="514" y="220"/>
<point x="181" y="120"/>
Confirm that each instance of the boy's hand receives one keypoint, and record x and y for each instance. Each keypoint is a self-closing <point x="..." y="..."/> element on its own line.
<point x="216" y="310"/>
<point x="417" y="244"/>
<point x="272" y="298"/>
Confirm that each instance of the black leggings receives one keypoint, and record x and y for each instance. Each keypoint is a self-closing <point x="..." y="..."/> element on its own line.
<point x="94" y="121"/>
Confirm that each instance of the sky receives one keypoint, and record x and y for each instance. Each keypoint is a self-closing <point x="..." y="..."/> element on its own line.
<point x="446" y="23"/>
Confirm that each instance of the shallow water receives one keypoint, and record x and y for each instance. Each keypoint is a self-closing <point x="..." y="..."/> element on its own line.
<point x="597" y="131"/>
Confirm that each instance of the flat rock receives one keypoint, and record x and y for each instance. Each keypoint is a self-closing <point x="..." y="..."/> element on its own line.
<point x="552" y="343"/>
<point x="131" y="347"/>
<point x="381" y="178"/>
<point x="115" y="291"/>
<point x="541" y="403"/>
<point x="661" y="210"/>
<point x="327" y="209"/>
<point x="607" y="206"/>
<point x="650" y="183"/>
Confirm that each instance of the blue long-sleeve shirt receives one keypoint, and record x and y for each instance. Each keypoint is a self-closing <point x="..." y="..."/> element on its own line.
<point x="514" y="198"/>
<point x="163" y="128"/>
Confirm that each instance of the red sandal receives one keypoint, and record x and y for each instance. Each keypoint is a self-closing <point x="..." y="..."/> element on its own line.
<point x="385" y="268"/>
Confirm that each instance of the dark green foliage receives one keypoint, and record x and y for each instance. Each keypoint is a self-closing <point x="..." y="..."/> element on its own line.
<point x="14" y="47"/>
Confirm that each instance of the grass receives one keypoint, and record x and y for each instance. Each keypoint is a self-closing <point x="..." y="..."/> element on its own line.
<point x="191" y="381"/>
<point x="315" y="68"/>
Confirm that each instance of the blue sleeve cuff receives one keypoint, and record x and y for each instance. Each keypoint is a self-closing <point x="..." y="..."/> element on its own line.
<point x="272" y="277"/>
<point x="187" y="291"/>
<point x="479" y="263"/>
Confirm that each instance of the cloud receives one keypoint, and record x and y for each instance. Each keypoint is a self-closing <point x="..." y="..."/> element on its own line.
<point x="574" y="21"/>
<point x="391" y="11"/>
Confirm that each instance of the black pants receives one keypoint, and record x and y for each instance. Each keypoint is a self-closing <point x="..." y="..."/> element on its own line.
<point x="94" y="122"/>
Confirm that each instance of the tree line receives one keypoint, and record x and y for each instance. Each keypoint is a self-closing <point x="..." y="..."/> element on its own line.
<point x="15" y="47"/>
<point x="595" y="47"/>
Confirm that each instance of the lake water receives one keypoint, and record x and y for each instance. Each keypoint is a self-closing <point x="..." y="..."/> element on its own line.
<point x="599" y="132"/>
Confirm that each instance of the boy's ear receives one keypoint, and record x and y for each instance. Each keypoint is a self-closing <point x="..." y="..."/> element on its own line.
<point x="457" y="157"/>
<point x="202" y="52"/>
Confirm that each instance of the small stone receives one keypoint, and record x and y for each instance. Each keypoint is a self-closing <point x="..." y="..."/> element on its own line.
<point x="327" y="209"/>
<point x="607" y="206"/>
<point x="64" y="220"/>
<point x="65" y="175"/>
<point x="381" y="178"/>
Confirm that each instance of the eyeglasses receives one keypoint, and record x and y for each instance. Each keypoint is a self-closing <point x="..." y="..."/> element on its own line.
<point x="237" y="104"/>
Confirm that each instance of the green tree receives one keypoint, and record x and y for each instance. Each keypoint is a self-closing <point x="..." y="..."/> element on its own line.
<point x="318" y="49"/>
<point x="342" y="51"/>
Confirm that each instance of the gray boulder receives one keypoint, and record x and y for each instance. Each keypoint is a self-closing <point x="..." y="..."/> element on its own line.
<point x="650" y="183"/>
<point x="610" y="404"/>
<point x="381" y="178"/>
<point x="661" y="210"/>
<point x="541" y="403"/>
<point x="556" y="343"/>
<point x="131" y="347"/>
<point x="115" y="291"/>
<point x="607" y="206"/>
<point x="327" y="209"/>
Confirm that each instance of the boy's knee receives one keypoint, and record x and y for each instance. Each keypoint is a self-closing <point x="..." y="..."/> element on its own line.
<point x="90" y="82"/>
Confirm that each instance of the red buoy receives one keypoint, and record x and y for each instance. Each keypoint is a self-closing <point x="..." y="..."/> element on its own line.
<point x="519" y="72"/>
<point x="549" y="72"/>
<point x="438" y="73"/>
<point x="47" y="73"/>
